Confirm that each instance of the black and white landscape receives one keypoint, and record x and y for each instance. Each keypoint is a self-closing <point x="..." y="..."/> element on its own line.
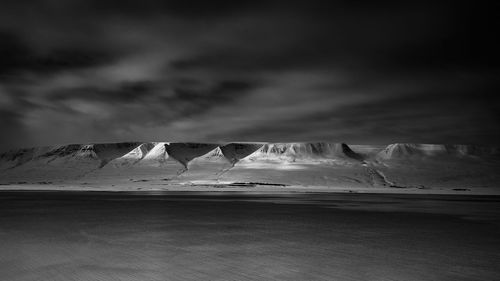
<point x="422" y="168"/>
<point x="249" y="140"/>
<point x="243" y="236"/>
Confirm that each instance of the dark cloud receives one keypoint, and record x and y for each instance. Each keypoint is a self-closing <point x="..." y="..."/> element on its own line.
<point x="389" y="38"/>
<point x="19" y="58"/>
<point x="11" y="123"/>
<point x="404" y="114"/>
<point x="79" y="71"/>
<point x="188" y="102"/>
<point x="186" y="9"/>
<point x="115" y="113"/>
<point x="122" y="93"/>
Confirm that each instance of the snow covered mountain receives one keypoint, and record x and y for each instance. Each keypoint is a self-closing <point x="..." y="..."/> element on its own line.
<point x="409" y="150"/>
<point x="303" y="164"/>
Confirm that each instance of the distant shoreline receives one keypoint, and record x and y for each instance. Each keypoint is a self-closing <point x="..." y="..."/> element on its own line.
<point x="62" y="187"/>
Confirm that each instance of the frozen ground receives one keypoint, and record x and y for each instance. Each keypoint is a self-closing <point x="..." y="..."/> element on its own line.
<point x="247" y="236"/>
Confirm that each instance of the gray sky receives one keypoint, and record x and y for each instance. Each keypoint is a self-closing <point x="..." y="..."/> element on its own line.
<point x="106" y="71"/>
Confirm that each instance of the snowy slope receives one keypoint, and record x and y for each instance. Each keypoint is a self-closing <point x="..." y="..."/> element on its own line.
<point x="411" y="150"/>
<point x="185" y="152"/>
<point x="305" y="152"/>
<point x="17" y="157"/>
<point x="66" y="162"/>
<point x="132" y="157"/>
<point x="234" y="152"/>
<point x="305" y="164"/>
<point x="438" y="165"/>
<point x="207" y="168"/>
<point x="148" y="161"/>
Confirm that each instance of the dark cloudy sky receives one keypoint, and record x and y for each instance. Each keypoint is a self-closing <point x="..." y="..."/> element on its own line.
<point x="106" y="71"/>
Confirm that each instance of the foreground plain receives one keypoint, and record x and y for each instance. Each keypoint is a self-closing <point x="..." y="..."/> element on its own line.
<point x="247" y="236"/>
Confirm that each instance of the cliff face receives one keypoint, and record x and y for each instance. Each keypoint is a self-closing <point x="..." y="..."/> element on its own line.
<point x="304" y="150"/>
<point x="307" y="151"/>
<point x="185" y="152"/>
<point x="132" y="157"/>
<point x="234" y="152"/>
<point x="319" y="163"/>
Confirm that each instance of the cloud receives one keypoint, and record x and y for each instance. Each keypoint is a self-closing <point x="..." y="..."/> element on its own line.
<point x="86" y="71"/>
<point x="18" y="58"/>
<point x="14" y="134"/>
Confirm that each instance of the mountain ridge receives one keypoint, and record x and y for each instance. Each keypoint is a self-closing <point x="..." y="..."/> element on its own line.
<point x="296" y="163"/>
